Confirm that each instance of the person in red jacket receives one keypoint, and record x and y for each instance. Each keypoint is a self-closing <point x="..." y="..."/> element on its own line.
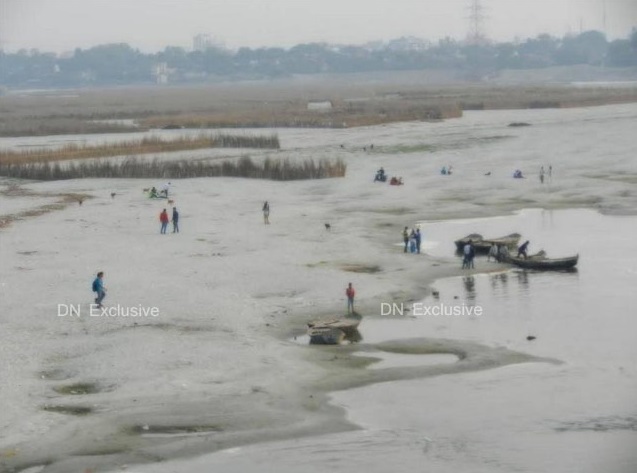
<point x="350" y="293"/>
<point x="163" y="218"/>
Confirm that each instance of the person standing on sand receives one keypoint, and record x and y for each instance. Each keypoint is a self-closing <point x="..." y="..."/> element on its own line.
<point x="406" y="239"/>
<point x="163" y="218"/>
<point x="175" y="220"/>
<point x="99" y="289"/>
<point x="493" y="252"/>
<point x="418" y="240"/>
<point x="350" y="293"/>
<point x="467" y="260"/>
<point x="266" y="213"/>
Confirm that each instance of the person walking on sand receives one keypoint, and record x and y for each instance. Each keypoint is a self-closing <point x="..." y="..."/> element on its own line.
<point x="406" y="239"/>
<point x="99" y="289"/>
<point x="350" y="293"/>
<point x="163" y="218"/>
<point x="266" y="213"/>
<point x="175" y="220"/>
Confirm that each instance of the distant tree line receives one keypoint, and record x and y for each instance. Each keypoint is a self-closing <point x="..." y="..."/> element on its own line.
<point x="118" y="64"/>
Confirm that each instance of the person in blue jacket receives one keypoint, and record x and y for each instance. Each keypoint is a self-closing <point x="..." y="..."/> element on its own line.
<point x="99" y="289"/>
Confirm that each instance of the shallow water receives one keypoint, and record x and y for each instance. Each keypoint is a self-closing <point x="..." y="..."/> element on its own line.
<point x="577" y="416"/>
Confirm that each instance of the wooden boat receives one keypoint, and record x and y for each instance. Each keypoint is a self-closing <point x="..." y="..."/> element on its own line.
<point x="483" y="246"/>
<point x="541" y="262"/>
<point x="333" y="331"/>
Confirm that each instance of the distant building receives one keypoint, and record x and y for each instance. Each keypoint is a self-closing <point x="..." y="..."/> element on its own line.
<point x="161" y="72"/>
<point x="201" y="42"/>
<point x="319" y="106"/>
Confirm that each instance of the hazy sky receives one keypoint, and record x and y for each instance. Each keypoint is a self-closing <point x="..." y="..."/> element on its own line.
<point x="150" y="25"/>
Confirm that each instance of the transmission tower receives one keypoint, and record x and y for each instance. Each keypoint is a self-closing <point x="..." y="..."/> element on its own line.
<point x="476" y="23"/>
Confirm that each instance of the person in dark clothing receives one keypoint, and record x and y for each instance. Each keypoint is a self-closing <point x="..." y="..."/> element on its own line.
<point x="406" y="239"/>
<point x="175" y="220"/>
<point x="418" y="239"/>
<point x="266" y="213"/>
<point x="522" y="250"/>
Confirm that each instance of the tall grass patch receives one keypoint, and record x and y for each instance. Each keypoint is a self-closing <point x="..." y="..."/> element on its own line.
<point x="146" y="145"/>
<point x="275" y="169"/>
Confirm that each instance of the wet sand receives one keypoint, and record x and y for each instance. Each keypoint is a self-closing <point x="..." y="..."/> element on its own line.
<point x="218" y="368"/>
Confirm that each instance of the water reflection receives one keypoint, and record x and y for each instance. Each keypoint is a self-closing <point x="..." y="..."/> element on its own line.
<point x="523" y="280"/>
<point x="469" y="283"/>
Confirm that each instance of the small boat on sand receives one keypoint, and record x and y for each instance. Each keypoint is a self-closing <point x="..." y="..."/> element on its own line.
<point x="541" y="262"/>
<point x="481" y="245"/>
<point x="333" y="331"/>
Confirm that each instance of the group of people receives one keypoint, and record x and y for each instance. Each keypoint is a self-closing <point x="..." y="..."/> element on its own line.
<point x="446" y="170"/>
<point x="162" y="194"/>
<point x="412" y="240"/>
<point x="498" y="253"/>
<point x="164" y="220"/>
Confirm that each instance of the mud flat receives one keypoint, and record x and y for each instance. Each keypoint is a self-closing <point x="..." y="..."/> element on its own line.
<point x="218" y="369"/>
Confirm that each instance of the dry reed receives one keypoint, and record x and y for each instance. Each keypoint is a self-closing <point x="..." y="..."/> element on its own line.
<point x="146" y="145"/>
<point x="274" y="169"/>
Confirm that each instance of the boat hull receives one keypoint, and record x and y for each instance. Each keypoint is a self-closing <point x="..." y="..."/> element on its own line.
<point x="545" y="264"/>
<point x="482" y="246"/>
<point x="333" y="331"/>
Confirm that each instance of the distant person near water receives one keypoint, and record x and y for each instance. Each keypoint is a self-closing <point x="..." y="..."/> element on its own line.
<point x="163" y="218"/>
<point x="350" y="293"/>
<point x="493" y="252"/>
<point x="469" y="255"/>
<point x="522" y="250"/>
<point x="175" y="220"/>
<point x="99" y="289"/>
<point x="266" y="213"/>
<point x="412" y="241"/>
<point x="406" y="239"/>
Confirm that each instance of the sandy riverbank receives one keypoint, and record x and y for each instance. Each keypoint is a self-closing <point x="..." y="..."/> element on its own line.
<point x="217" y="367"/>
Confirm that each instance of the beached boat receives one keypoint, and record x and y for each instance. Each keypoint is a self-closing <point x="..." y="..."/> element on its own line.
<point x="482" y="245"/>
<point x="541" y="262"/>
<point x="333" y="331"/>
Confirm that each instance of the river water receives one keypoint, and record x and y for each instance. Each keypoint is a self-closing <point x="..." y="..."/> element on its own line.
<point x="574" y="412"/>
